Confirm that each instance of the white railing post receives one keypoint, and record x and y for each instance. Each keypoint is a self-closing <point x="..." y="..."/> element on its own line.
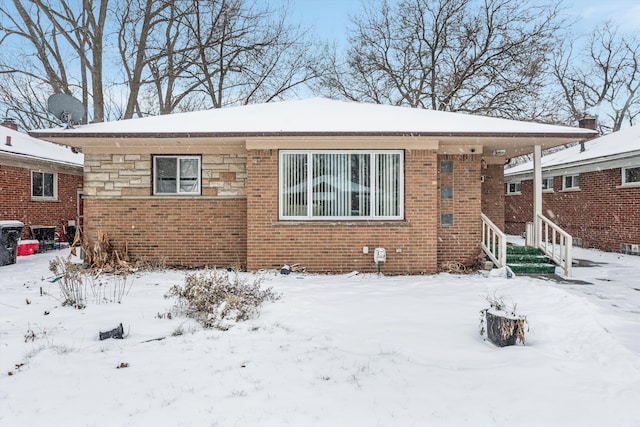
<point x="559" y="248"/>
<point x="494" y="242"/>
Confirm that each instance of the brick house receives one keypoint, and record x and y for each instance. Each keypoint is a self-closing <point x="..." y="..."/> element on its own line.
<point x="40" y="182"/>
<point x="316" y="182"/>
<point x="591" y="190"/>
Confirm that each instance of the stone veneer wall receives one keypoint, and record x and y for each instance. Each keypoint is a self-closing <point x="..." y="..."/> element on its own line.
<point x="194" y="231"/>
<point x="125" y="175"/>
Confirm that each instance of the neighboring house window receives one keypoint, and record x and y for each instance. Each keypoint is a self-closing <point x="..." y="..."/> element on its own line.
<point x="513" y="188"/>
<point x="176" y="175"/>
<point x="339" y="184"/>
<point x="547" y="184"/>
<point x="43" y="185"/>
<point x="571" y="182"/>
<point x="631" y="175"/>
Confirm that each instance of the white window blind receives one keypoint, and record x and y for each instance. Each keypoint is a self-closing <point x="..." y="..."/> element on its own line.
<point x="339" y="184"/>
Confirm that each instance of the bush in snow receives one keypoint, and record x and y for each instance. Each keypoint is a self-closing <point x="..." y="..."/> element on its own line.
<point x="69" y="277"/>
<point x="78" y="284"/>
<point x="217" y="299"/>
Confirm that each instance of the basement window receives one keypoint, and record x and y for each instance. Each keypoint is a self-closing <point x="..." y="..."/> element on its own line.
<point x="571" y="182"/>
<point x="513" y="187"/>
<point x="354" y="184"/>
<point x="44" y="185"/>
<point x="176" y="175"/>
<point x="631" y="176"/>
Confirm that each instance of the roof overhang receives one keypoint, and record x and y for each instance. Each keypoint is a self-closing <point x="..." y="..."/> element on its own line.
<point x="502" y="145"/>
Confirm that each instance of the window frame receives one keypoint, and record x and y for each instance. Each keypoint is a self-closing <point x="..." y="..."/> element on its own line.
<point x="624" y="177"/>
<point x="372" y="168"/>
<point x="549" y="189"/>
<point x="178" y="158"/>
<point x="573" y="187"/>
<point x="515" y="183"/>
<point x="54" y="177"/>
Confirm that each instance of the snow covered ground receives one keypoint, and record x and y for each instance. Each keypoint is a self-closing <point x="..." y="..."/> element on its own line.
<point x="343" y="350"/>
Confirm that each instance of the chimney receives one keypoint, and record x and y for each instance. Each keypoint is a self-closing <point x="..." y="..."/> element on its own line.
<point x="587" y="122"/>
<point x="10" y="123"/>
<point x="8" y="141"/>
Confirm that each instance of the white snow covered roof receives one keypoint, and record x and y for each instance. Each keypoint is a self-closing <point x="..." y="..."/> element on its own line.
<point x="622" y="144"/>
<point x="316" y="116"/>
<point x="27" y="146"/>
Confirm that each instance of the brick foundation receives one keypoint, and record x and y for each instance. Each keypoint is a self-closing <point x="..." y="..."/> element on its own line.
<point x="177" y="231"/>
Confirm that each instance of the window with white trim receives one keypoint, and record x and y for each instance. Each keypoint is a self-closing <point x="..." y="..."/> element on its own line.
<point x="354" y="184"/>
<point x="547" y="184"/>
<point x="571" y="182"/>
<point x="44" y="185"/>
<point x="513" y="187"/>
<point x="177" y="175"/>
<point x="631" y="175"/>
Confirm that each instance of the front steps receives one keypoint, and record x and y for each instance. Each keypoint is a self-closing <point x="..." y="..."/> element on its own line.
<point x="528" y="260"/>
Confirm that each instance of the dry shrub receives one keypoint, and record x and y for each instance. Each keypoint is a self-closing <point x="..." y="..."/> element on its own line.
<point x="217" y="298"/>
<point x="78" y="284"/>
<point x="102" y="255"/>
<point x="69" y="277"/>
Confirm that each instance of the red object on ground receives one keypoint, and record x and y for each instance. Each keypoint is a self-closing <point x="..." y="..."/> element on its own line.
<point x="27" y="247"/>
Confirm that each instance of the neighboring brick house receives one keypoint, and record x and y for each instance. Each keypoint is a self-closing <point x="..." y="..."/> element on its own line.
<point x="40" y="182"/>
<point x="318" y="183"/>
<point x="592" y="193"/>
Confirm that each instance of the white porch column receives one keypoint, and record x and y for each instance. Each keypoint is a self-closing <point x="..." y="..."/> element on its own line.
<point x="537" y="193"/>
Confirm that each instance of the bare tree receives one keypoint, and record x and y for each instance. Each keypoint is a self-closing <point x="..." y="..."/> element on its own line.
<point x="52" y="30"/>
<point x="602" y="79"/>
<point x="162" y="55"/>
<point x="137" y="20"/>
<point x="476" y="56"/>
<point x="239" y="52"/>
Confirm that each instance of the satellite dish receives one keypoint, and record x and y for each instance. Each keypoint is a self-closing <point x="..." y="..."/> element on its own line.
<point x="66" y="108"/>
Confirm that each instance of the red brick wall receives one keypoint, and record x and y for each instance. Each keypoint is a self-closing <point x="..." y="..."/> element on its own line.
<point x="16" y="203"/>
<point x="493" y="194"/>
<point x="336" y="246"/>
<point x="601" y="214"/>
<point x="462" y="241"/>
<point x="191" y="232"/>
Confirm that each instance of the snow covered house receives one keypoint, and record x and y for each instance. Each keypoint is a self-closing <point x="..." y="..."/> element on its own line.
<point x="316" y="182"/>
<point x="40" y="183"/>
<point x="591" y="190"/>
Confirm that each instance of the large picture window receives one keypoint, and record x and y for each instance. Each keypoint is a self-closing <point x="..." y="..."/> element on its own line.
<point x="341" y="184"/>
<point x="176" y="175"/>
<point x="43" y="185"/>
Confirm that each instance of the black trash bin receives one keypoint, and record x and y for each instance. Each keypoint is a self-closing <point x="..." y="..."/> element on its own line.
<point x="10" y="232"/>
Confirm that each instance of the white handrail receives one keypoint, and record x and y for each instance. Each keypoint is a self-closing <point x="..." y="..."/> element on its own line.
<point x="556" y="243"/>
<point x="494" y="242"/>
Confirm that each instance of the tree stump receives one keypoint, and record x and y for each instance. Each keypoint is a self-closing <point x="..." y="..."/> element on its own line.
<point x="504" y="330"/>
